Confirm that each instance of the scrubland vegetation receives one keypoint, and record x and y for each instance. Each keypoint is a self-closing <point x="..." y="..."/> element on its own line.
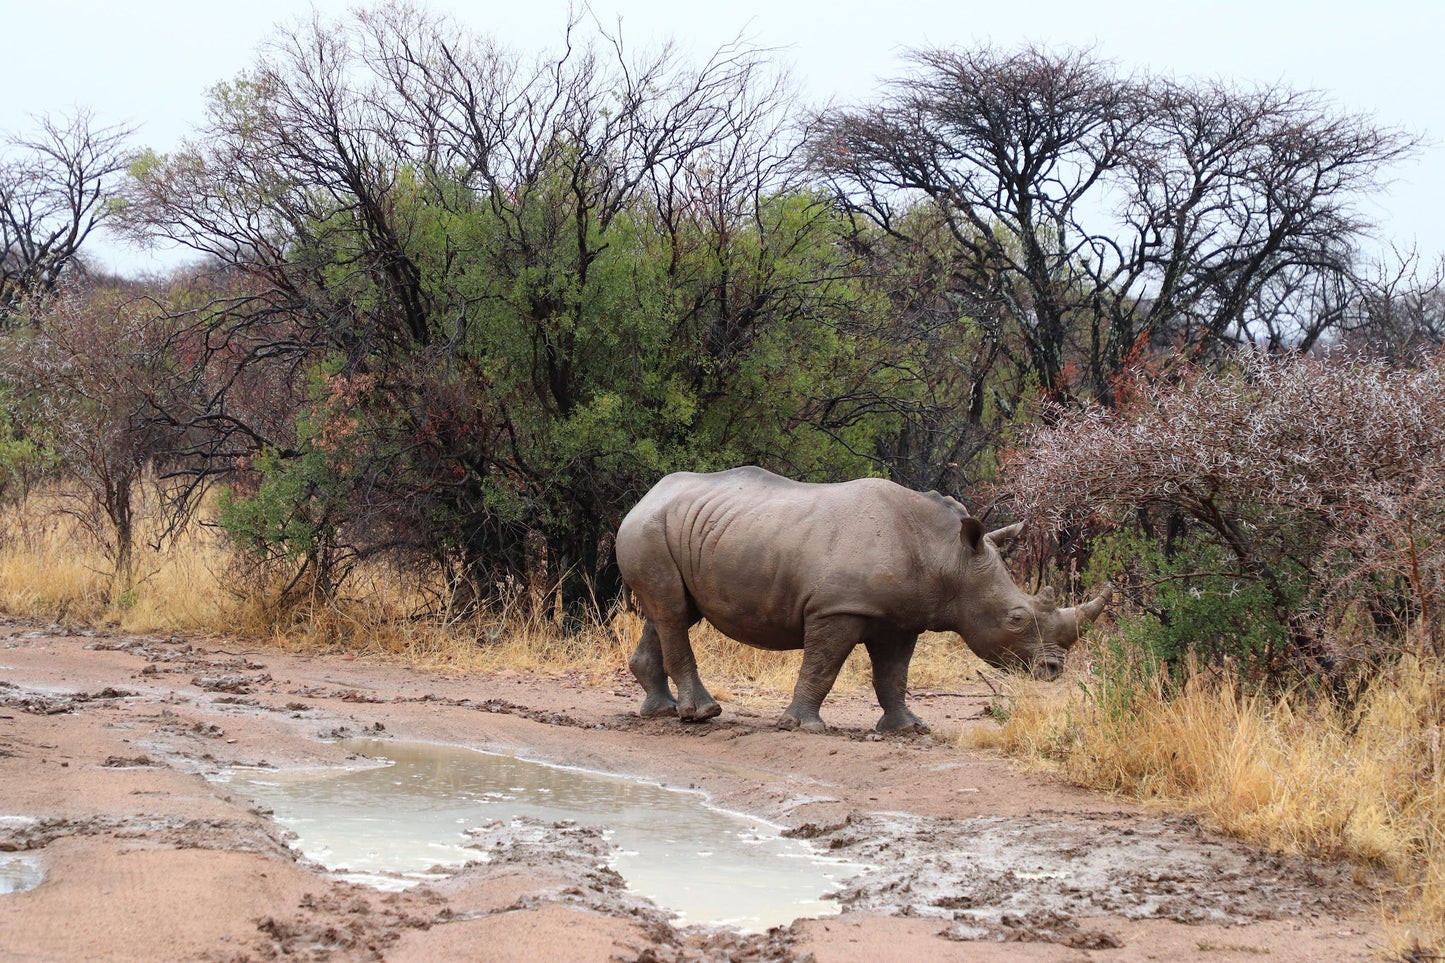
<point x="456" y="308"/>
<point x="1361" y="781"/>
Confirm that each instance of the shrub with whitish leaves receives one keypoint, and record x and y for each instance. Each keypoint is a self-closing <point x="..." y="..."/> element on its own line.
<point x="1314" y="484"/>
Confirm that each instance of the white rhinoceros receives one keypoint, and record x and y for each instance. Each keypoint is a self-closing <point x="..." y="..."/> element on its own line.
<point x="780" y="564"/>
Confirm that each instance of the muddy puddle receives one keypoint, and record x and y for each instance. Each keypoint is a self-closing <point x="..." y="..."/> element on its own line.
<point x="19" y="873"/>
<point x="407" y="811"/>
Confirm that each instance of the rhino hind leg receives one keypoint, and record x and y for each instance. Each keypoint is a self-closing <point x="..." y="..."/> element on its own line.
<point x="665" y="650"/>
<point x="694" y="702"/>
<point x="890" y="683"/>
<point x="826" y="644"/>
<point x="647" y="666"/>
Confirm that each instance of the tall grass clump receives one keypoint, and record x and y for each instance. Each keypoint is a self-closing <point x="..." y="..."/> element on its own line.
<point x="1296" y="771"/>
<point x="52" y="567"/>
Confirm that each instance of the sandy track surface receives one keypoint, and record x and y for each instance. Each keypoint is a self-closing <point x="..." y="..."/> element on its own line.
<point x="107" y="742"/>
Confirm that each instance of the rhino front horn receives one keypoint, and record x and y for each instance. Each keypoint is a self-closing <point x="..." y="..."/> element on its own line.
<point x="1003" y="536"/>
<point x="1091" y="610"/>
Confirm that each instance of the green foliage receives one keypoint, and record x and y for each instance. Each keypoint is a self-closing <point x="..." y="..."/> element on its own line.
<point x="22" y="456"/>
<point x="25" y="453"/>
<point x="289" y="514"/>
<point x="1194" y="604"/>
<point x="605" y="355"/>
<point x="300" y="498"/>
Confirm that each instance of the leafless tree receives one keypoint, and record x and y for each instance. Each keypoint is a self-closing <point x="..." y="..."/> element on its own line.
<point x="1101" y="211"/>
<point x="1302" y="308"/>
<point x="56" y="185"/>
<point x="1400" y="307"/>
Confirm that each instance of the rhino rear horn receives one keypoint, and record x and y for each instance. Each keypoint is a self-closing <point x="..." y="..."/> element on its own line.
<point x="1003" y="536"/>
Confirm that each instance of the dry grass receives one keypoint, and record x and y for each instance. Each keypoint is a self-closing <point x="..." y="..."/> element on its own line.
<point x="51" y="569"/>
<point x="1297" y="774"/>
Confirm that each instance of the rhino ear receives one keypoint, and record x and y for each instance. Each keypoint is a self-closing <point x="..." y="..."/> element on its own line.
<point x="973" y="533"/>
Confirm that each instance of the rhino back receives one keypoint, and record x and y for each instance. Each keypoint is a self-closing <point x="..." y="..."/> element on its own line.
<point x="759" y="554"/>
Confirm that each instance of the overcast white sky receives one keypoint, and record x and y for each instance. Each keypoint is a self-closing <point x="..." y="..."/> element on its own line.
<point x="150" y="62"/>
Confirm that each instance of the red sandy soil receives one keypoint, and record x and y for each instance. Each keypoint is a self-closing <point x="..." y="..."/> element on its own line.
<point x="106" y="742"/>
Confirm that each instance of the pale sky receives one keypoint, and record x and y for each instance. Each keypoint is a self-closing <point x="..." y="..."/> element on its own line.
<point x="150" y="62"/>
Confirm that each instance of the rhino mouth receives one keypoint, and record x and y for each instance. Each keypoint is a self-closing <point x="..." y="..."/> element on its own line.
<point x="1047" y="670"/>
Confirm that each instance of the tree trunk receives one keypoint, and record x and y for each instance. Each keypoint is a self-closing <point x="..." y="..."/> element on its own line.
<point x="122" y="521"/>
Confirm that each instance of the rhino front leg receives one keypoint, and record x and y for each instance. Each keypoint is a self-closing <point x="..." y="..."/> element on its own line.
<point x="647" y="666"/>
<point x="694" y="702"/>
<point x="826" y="644"/>
<point x="890" y="683"/>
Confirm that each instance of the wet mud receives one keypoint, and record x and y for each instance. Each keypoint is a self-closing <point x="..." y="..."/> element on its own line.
<point x="20" y="873"/>
<point x="119" y="797"/>
<point x="1008" y="878"/>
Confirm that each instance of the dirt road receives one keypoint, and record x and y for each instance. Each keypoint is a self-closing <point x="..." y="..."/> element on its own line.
<point x="109" y="746"/>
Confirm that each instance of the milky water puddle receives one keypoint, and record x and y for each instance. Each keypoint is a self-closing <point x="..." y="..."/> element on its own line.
<point x="392" y="823"/>
<point x="19" y="873"/>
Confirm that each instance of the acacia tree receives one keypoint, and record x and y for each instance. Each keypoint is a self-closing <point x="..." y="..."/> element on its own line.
<point x="1099" y="212"/>
<point x="512" y="294"/>
<point x="55" y="189"/>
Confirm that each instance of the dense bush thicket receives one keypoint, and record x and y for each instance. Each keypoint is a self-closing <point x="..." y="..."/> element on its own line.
<point x="459" y="309"/>
<point x="1283" y="510"/>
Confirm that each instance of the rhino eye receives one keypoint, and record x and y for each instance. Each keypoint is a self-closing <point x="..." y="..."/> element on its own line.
<point x="1019" y="617"/>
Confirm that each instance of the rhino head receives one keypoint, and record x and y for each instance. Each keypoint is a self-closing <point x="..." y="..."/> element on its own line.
<point x="1004" y="625"/>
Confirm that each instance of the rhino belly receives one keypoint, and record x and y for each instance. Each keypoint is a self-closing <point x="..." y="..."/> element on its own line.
<point x="750" y="630"/>
<point x="748" y="589"/>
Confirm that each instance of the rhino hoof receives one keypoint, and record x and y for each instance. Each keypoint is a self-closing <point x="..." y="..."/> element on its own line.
<point x="700" y="713"/>
<point x="654" y="706"/>
<point x="791" y="723"/>
<point x="904" y="721"/>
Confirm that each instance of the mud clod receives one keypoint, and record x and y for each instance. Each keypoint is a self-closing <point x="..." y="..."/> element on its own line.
<point x="235" y="684"/>
<point x="35" y="703"/>
<point x="812" y="830"/>
<point x="112" y="693"/>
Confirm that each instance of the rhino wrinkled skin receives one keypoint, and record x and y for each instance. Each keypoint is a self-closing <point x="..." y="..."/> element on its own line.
<point x="779" y="564"/>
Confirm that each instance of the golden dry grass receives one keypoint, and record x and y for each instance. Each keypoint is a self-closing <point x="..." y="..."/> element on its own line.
<point x="1300" y="775"/>
<point x="51" y="569"/>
